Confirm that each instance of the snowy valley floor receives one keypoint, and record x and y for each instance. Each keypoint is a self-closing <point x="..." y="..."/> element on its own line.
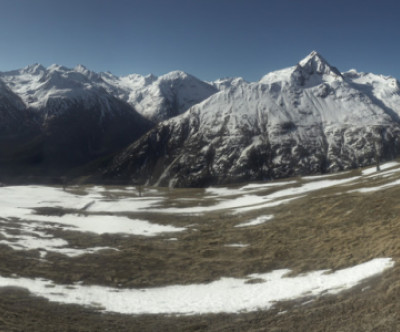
<point x="305" y="254"/>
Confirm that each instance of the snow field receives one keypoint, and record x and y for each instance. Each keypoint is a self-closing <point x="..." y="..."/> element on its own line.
<point x="20" y="201"/>
<point x="39" y="240"/>
<point x="383" y="167"/>
<point x="373" y="189"/>
<point x="257" y="221"/>
<point x="17" y="208"/>
<point x="227" y="295"/>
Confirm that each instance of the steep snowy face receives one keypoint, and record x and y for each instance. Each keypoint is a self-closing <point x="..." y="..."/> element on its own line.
<point x="38" y="86"/>
<point x="156" y="98"/>
<point x="123" y="87"/>
<point x="226" y="83"/>
<point x="384" y="90"/>
<point x="76" y="120"/>
<point x="159" y="98"/>
<point x="315" y="63"/>
<point x="310" y="71"/>
<point x="305" y="119"/>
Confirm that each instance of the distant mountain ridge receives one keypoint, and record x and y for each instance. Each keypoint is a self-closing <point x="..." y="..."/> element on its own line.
<point x="60" y="118"/>
<point x="306" y="119"/>
<point x="176" y="130"/>
<point x="155" y="98"/>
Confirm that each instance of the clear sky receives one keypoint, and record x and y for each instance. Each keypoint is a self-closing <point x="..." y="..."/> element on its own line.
<point x="207" y="38"/>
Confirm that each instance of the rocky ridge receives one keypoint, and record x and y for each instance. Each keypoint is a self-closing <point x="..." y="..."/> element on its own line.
<point x="306" y="119"/>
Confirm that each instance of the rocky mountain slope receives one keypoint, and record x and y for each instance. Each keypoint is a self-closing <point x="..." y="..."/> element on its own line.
<point x="159" y="98"/>
<point x="54" y="119"/>
<point x="306" y="119"/>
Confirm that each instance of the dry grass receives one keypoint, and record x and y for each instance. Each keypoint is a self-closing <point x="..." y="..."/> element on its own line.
<point x="327" y="229"/>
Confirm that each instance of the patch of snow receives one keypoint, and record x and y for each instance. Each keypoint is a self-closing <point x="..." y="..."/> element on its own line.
<point x="267" y="185"/>
<point x="268" y="204"/>
<point x="236" y="245"/>
<point x="373" y="189"/>
<point x="384" y="173"/>
<point x="258" y="221"/>
<point x="20" y="201"/>
<point x="228" y="295"/>
<point x="249" y="188"/>
<point x="31" y="239"/>
<point x="246" y="202"/>
<point x="106" y="224"/>
<point x="228" y="204"/>
<point x="371" y="170"/>
<point x="317" y="177"/>
<point x="124" y="205"/>
<point x="308" y="187"/>
<point x="221" y="191"/>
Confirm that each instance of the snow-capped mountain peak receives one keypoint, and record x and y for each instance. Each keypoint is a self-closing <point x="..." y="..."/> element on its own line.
<point x="226" y="83"/>
<point x="310" y="71"/>
<point x="308" y="118"/>
<point x="159" y="98"/>
<point x="174" y="75"/>
<point x="80" y="68"/>
<point x="315" y="63"/>
<point x="34" y="69"/>
<point x="303" y="119"/>
<point x="57" y="67"/>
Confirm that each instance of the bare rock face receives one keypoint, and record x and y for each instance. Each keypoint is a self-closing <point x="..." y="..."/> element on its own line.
<point x="305" y="119"/>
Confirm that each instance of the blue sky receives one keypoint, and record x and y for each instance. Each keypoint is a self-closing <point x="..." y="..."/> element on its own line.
<point x="207" y="38"/>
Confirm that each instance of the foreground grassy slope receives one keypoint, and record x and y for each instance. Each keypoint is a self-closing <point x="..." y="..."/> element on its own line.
<point x="332" y="227"/>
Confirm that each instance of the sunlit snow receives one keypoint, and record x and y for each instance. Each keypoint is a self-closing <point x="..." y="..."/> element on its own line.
<point x="372" y="170"/>
<point x="377" y="188"/>
<point x="20" y="202"/>
<point x="229" y="295"/>
<point x="257" y="221"/>
<point x="33" y="236"/>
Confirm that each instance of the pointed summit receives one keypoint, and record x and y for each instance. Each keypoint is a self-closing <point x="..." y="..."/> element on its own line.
<point x="80" y="69"/>
<point x="34" y="69"/>
<point x="312" y="70"/>
<point x="313" y="56"/>
<point x="315" y="63"/>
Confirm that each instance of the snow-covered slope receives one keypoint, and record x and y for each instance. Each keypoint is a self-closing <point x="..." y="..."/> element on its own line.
<point x="77" y="119"/>
<point x="156" y="98"/>
<point x="226" y="83"/>
<point x="159" y="98"/>
<point x="309" y="118"/>
<point x="39" y="87"/>
<point x="80" y="115"/>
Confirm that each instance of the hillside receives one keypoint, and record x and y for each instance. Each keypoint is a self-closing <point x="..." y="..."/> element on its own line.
<point x="313" y="253"/>
<point x="306" y="119"/>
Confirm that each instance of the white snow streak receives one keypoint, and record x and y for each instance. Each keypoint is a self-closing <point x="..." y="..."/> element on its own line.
<point x="371" y="170"/>
<point x="373" y="189"/>
<point x="227" y="295"/>
<point x="20" y="201"/>
<point x="257" y="221"/>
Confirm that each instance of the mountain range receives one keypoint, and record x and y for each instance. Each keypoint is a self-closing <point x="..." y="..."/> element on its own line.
<point x="176" y="130"/>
